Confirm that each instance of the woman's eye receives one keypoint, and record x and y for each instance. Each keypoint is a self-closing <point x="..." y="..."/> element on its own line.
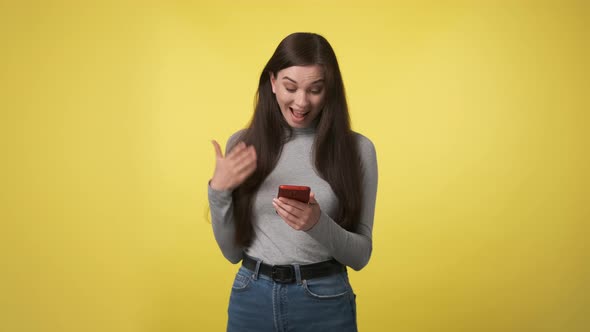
<point x="316" y="92"/>
<point x="291" y="90"/>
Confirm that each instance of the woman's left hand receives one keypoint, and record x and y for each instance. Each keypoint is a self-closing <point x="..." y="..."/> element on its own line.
<point x="300" y="216"/>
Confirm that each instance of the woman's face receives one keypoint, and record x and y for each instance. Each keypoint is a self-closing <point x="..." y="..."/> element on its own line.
<point x="300" y="93"/>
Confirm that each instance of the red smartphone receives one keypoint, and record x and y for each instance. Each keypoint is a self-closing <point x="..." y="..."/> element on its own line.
<point x="300" y="193"/>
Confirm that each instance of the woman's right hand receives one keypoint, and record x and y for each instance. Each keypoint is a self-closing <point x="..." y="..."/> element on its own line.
<point x="233" y="169"/>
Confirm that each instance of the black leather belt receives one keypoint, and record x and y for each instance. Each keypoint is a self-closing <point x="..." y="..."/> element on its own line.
<point x="286" y="273"/>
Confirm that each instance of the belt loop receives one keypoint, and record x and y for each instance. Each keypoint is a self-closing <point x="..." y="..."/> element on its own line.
<point x="256" y="270"/>
<point x="297" y="273"/>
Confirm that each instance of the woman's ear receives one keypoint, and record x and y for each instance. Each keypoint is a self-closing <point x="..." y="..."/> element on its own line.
<point x="272" y="82"/>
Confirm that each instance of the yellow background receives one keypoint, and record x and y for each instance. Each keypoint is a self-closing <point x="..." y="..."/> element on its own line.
<point x="478" y="110"/>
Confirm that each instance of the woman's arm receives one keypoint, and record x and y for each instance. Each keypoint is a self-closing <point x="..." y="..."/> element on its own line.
<point x="230" y="172"/>
<point x="221" y="205"/>
<point x="353" y="248"/>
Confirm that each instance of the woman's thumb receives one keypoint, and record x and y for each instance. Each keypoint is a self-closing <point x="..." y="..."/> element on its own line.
<point x="312" y="198"/>
<point x="218" y="152"/>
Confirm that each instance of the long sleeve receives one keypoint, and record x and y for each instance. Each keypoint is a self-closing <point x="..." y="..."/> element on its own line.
<point x="353" y="248"/>
<point x="220" y="203"/>
<point x="222" y="219"/>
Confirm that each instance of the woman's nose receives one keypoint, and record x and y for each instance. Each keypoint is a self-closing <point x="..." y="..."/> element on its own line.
<point x="301" y="99"/>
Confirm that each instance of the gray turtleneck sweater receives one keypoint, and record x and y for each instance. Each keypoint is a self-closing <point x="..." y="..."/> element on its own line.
<point x="274" y="241"/>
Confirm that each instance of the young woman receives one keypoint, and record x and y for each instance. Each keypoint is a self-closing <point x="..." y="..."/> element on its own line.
<point x="294" y="254"/>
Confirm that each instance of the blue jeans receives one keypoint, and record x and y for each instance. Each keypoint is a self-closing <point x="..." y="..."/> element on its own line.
<point x="257" y="303"/>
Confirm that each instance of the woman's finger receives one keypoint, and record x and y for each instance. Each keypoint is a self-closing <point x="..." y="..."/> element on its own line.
<point x="245" y="156"/>
<point x="290" y="209"/>
<point x="245" y="171"/>
<point x="293" y="202"/>
<point x="284" y="212"/>
<point x="312" y="200"/>
<point x="218" y="152"/>
<point x="244" y="164"/>
<point x="236" y="151"/>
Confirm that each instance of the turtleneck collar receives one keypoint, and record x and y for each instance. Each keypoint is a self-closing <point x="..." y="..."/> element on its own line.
<point x="305" y="131"/>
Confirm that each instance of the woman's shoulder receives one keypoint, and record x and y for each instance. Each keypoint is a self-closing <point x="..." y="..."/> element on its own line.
<point x="237" y="134"/>
<point x="367" y="153"/>
<point x="364" y="143"/>
<point x="234" y="139"/>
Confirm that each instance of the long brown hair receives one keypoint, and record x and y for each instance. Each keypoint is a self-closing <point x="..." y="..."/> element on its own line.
<point x="336" y="155"/>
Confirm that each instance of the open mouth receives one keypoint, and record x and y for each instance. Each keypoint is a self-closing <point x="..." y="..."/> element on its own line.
<point x="297" y="114"/>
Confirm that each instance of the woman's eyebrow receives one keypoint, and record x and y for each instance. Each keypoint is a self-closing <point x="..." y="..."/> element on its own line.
<point x="292" y="80"/>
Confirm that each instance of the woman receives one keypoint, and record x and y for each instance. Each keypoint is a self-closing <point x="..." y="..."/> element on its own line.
<point x="294" y="254"/>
